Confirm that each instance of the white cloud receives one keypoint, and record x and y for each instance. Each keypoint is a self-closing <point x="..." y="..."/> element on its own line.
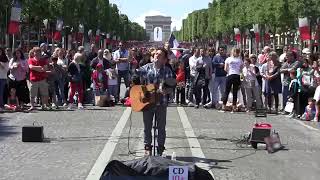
<point x="140" y="19"/>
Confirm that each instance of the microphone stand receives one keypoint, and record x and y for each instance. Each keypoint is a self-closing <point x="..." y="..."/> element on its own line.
<point x="155" y="125"/>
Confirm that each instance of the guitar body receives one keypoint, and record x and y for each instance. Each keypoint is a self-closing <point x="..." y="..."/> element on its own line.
<point x="142" y="96"/>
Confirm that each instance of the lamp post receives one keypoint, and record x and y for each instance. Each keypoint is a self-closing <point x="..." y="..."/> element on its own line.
<point x="6" y="29"/>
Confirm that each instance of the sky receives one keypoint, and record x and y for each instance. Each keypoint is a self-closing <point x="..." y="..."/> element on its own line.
<point x="177" y="9"/>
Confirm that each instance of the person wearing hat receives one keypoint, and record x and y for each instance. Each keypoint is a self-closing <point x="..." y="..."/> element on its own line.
<point x="99" y="81"/>
<point x="306" y="53"/>
<point x="107" y="55"/>
<point x="100" y="60"/>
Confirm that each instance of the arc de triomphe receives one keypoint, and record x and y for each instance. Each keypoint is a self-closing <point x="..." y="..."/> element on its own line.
<point x="158" y="28"/>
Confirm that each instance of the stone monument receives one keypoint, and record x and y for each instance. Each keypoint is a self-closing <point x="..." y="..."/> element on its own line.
<point x="158" y="28"/>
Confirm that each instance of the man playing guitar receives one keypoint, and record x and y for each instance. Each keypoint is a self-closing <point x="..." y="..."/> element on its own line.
<point x="156" y="73"/>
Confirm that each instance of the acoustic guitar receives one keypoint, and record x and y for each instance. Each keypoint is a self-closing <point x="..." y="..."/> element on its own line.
<point x="142" y="96"/>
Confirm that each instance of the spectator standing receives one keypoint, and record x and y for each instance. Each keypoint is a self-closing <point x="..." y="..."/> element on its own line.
<point x="38" y="78"/>
<point x="251" y="85"/>
<point x="208" y="75"/>
<point x="4" y="68"/>
<point x="294" y="90"/>
<point x="62" y="64"/>
<point x="121" y="57"/>
<point x="54" y="74"/>
<point x="181" y="82"/>
<point x="219" y="82"/>
<point x="233" y="67"/>
<point x="289" y="65"/>
<point x="99" y="81"/>
<point x="100" y="60"/>
<point x="18" y="66"/>
<point x="113" y="81"/>
<point x="272" y="80"/>
<point x="75" y="71"/>
<point x="193" y="72"/>
<point x="92" y="54"/>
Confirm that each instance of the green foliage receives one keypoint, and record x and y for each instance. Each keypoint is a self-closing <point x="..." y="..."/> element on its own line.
<point x="93" y="14"/>
<point x="222" y="16"/>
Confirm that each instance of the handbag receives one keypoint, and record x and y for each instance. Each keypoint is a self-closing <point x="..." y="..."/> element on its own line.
<point x="289" y="107"/>
<point x="306" y="80"/>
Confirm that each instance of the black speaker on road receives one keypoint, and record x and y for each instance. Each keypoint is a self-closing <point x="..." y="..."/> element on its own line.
<point x="32" y="134"/>
<point x="259" y="132"/>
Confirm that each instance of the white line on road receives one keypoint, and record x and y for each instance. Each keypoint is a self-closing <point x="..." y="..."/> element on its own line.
<point x="109" y="147"/>
<point x="192" y="139"/>
<point x="139" y="147"/>
<point x="305" y="125"/>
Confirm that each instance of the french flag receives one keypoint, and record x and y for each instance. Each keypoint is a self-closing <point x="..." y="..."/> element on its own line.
<point x="237" y="34"/>
<point x="15" y="17"/>
<point x="256" y="32"/>
<point x="304" y="29"/>
<point x="173" y="43"/>
<point x="57" y="34"/>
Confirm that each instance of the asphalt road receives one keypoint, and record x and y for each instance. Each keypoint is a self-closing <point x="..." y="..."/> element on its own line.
<point x="77" y="138"/>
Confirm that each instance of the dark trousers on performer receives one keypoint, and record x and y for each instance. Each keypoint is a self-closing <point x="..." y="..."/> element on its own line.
<point x="160" y="112"/>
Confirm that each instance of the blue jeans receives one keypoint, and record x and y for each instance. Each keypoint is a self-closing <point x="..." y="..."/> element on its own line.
<point x="160" y="113"/>
<point x="113" y="90"/>
<point x="60" y="91"/>
<point x="3" y="83"/>
<point x="218" y="83"/>
<point x="285" y="93"/>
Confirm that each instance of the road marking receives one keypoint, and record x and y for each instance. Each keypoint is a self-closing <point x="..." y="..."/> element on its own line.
<point x="194" y="144"/>
<point x="138" y="148"/>
<point x="305" y="125"/>
<point x="109" y="147"/>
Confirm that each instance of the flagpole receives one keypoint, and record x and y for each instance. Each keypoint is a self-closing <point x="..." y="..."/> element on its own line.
<point x="13" y="40"/>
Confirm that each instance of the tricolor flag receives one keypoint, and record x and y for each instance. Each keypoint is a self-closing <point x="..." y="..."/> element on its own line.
<point x="267" y="34"/>
<point x="237" y="34"/>
<point x="256" y="32"/>
<point x="79" y="36"/>
<point x="304" y="29"/>
<point x="173" y="43"/>
<point x="15" y="17"/>
<point x="57" y="34"/>
<point x="97" y="39"/>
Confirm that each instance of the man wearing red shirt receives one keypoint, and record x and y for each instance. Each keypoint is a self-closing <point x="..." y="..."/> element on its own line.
<point x="38" y="78"/>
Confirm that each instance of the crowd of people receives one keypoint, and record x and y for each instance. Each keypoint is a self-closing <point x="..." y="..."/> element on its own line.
<point x="209" y="78"/>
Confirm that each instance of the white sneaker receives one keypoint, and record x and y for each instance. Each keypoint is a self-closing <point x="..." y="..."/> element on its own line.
<point x="70" y="106"/>
<point x="65" y="105"/>
<point x="80" y="106"/>
<point x="315" y="120"/>
<point x="190" y="104"/>
<point x="54" y="106"/>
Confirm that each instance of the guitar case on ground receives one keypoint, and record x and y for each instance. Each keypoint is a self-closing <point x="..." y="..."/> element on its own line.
<point x="149" y="168"/>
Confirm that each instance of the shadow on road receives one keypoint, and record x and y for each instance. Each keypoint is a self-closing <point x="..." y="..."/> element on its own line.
<point x="5" y="130"/>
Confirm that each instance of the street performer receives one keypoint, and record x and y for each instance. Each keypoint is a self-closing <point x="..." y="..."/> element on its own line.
<point x="157" y="73"/>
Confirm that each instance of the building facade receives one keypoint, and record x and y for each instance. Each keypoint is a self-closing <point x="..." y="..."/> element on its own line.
<point x="156" y="25"/>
